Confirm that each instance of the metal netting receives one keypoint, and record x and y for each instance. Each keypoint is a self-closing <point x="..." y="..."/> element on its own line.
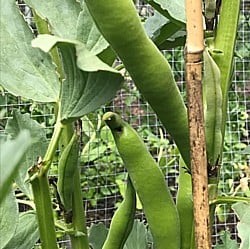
<point x="102" y="169"/>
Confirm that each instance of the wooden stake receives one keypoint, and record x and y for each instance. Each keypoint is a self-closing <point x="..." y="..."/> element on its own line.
<point x="194" y="50"/>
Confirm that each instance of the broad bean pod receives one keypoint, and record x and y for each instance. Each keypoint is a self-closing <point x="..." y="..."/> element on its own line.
<point x="212" y="108"/>
<point x="149" y="183"/>
<point x="67" y="166"/>
<point x="121" y="27"/>
<point x="122" y="221"/>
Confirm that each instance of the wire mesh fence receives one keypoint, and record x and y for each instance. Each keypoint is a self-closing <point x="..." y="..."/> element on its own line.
<point x="103" y="172"/>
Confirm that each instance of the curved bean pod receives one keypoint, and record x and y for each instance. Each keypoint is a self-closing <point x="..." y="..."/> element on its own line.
<point x="212" y="108"/>
<point x="122" y="221"/>
<point x="149" y="183"/>
<point x="67" y="166"/>
<point x="120" y="25"/>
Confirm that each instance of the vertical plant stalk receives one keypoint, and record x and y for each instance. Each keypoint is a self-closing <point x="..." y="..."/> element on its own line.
<point x="78" y="218"/>
<point x="194" y="50"/>
<point x="78" y="213"/>
<point x="224" y="42"/>
<point x="38" y="175"/>
<point x="40" y="187"/>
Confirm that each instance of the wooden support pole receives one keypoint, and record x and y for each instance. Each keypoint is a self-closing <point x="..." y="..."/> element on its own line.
<point x="194" y="50"/>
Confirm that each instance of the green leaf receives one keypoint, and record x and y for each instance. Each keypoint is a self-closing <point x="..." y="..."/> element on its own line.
<point x="25" y="71"/>
<point x="164" y="32"/>
<point x="61" y="15"/>
<point x="27" y="233"/>
<point x="84" y="92"/>
<point x="137" y="237"/>
<point x="8" y="218"/>
<point x="88" y="33"/>
<point x="228" y="243"/>
<point x="12" y="152"/>
<point x="243" y="212"/>
<point x="246" y="150"/>
<point x="174" y="10"/>
<point x="39" y="145"/>
<point x="97" y="235"/>
<point x="85" y="59"/>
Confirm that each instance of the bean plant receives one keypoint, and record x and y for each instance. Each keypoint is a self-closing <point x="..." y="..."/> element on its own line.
<point x="68" y="61"/>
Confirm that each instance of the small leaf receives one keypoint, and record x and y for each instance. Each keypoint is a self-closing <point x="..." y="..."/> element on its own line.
<point x="243" y="212"/>
<point x="86" y="60"/>
<point x="163" y="32"/>
<point x="12" y="152"/>
<point x="97" y="235"/>
<point x="61" y="15"/>
<point x="8" y="218"/>
<point x="25" y="71"/>
<point x="26" y="234"/>
<point x="38" y="148"/>
<point x="174" y="10"/>
<point x="228" y="243"/>
<point x="246" y="150"/>
<point x="84" y="92"/>
<point x="88" y="33"/>
<point x="137" y="237"/>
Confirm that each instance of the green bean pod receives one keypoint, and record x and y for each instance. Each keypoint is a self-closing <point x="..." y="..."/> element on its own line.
<point x="120" y="25"/>
<point x="212" y="108"/>
<point x="122" y="221"/>
<point x="184" y="204"/>
<point x="149" y="183"/>
<point x="67" y="166"/>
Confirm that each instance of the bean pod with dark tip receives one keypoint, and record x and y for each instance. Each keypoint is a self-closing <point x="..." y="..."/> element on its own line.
<point x="122" y="221"/>
<point x="212" y="108"/>
<point x="67" y="166"/>
<point x="120" y="25"/>
<point x="149" y="183"/>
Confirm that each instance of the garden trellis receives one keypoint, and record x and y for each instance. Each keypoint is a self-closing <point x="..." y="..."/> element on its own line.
<point x="103" y="174"/>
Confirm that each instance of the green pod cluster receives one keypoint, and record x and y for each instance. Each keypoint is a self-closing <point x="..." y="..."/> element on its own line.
<point x="149" y="183"/>
<point x="67" y="166"/>
<point x="122" y="221"/>
<point x="212" y="108"/>
<point x="119" y="23"/>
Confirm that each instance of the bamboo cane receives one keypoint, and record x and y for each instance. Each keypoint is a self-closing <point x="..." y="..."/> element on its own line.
<point x="193" y="55"/>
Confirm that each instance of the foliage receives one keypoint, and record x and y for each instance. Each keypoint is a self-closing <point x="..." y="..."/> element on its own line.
<point x="70" y="64"/>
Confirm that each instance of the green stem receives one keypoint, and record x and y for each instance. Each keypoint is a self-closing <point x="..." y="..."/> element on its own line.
<point x="224" y="43"/>
<point x="78" y="219"/>
<point x="52" y="146"/>
<point x="78" y="215"/>
<point x="42" y="27"/>
<point x="40" y="187"/>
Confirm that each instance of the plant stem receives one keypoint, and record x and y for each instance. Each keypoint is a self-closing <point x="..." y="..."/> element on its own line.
<point x="78" y="219"/>
<point x="52" y="146"/>
<point x="224" y="42"/>
<point x="40" y="187"/>
<point x="78" y="215"/>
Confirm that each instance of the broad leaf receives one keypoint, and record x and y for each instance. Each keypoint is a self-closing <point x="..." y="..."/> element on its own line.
<point x="84" y="92"/>
<point x="25" y="71"/>
<point x="39" y="145"/>
<point x="164" y="32"/>
<point x="12" y="152"/>
<point x="97" y="235"/>
<point x="26" y="234"/>
<point x="8" y="218"/>
<point x="228" y="243"/>
<point x="88" y="33"/>
<point x="174" y="10"/>
<point x="243" y="212"/>
<point x="86" y="60"/>
<point x="61" y="15"/>
<point x="137" y="237"/>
